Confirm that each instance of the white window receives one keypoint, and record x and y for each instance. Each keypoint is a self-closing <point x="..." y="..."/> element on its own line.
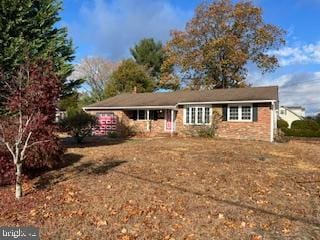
<point x="193" y="115"/>
<point x="233" y="113"/>
<point x="207" y="115"/>
<point x="197" y="115"/>
<point x="246" y="112"/>
<point x="200" y="115"/>
<point x="240" y="113"/>
<point x="187" y="117"/>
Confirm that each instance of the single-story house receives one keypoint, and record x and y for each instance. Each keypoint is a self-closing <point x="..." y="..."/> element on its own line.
<point x="291" y="113"/>
<point x="237" y="113"/>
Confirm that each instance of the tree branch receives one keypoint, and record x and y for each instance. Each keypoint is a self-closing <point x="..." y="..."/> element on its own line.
<point x="37" y="142"/>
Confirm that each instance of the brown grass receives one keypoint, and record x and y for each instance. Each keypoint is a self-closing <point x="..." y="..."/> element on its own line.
<point x="174" y="188"/>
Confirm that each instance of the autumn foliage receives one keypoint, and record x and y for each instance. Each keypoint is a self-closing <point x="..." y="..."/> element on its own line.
<point x="35" y="96"/>
<point x="218" y="44"/>
<point x="7" y="171"/>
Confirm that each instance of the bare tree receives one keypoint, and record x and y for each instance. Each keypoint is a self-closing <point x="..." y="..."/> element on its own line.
<point x="19" y="145"/>
<point x="96" y="72"/>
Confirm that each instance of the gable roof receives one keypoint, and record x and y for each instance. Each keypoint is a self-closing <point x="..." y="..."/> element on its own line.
<point x="171" y="99"/>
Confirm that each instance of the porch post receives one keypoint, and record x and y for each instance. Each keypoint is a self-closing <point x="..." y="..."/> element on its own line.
<point x="172" y="122"/>
<point x="148" y="120"/>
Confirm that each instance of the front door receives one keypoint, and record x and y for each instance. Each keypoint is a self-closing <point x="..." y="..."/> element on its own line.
<point x="170" y="120"/>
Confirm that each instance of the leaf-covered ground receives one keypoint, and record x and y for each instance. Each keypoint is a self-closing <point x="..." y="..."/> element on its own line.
<point x="173" y="188"/>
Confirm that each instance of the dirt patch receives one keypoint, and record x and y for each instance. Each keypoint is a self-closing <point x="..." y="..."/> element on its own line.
<point x="305" y="166"/>
<point x="175" y="188"/>
<point x="282" y="154"/>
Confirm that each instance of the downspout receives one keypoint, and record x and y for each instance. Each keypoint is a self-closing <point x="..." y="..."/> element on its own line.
<point x="272" y="129"/>
<point x="172" y="122"/>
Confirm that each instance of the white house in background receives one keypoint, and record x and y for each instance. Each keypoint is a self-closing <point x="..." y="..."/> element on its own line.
<point x="60" y="114"/>
<point x="290" y="114"/>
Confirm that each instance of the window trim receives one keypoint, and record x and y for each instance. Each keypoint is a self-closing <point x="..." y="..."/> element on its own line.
<point x="196" y="114"/>
<point x="240" y="112"/>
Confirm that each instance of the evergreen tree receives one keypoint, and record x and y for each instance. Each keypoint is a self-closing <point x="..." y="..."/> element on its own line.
<point x="149" y="53"/>
<point x="29" y="31"/>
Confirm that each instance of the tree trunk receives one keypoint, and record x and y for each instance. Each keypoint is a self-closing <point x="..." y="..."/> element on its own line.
<point x="19" y="181"/>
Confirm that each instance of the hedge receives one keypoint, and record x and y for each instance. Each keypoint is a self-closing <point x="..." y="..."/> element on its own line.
<point x="301" y="132"/>
<point x="306" y="124"/>
<point x="282" y="124"/>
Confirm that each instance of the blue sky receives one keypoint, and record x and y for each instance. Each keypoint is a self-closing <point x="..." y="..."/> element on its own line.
<point x="109" y="28"/>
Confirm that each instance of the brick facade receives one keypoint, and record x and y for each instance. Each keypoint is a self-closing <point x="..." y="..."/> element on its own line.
<point x="258" y="130"/>
<point x="144" y="127"/>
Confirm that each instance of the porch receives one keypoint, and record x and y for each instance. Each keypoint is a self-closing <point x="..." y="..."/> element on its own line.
<point x="152" y="120"/>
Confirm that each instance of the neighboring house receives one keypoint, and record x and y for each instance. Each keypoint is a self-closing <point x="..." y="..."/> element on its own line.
<point x="291" y="114"/>
<point x="60" y="114"/>
<point x="243" y="113"/>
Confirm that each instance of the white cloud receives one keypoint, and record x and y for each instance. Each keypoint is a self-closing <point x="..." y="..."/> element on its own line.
<point x="294" y="89"/>
<point x="110" y="28"/>
<point x="304" y="54"/>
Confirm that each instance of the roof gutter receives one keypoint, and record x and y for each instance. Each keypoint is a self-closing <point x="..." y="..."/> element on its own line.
<point x="131" y="107"/>
<point x="175" y="106"/>
<point x="226" y="102"/>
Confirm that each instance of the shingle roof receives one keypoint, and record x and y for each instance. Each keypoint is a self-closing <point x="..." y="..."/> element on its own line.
<point x="187" y="96"/>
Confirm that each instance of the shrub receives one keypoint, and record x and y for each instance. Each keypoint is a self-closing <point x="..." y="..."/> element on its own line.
<point x="79" y="124"/>
<point x="206" y="131"/>
<point x="282" y="124"/>
<point x="112" y="134"/>
<point x="306" y="124"/>
<point x="125" y="130"/>
<point x="280" y="136"/>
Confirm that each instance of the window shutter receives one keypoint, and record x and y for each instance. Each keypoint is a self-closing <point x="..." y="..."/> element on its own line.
<point x="224" y="112"/>
<point x="255" y="112"/>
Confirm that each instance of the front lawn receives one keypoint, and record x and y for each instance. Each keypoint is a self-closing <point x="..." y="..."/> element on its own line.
<point x="173" y="188"/>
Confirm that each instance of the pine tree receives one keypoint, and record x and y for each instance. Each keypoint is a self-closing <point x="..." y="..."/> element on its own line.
<point x="149" y="53"/>
<point x="29" y="31"/>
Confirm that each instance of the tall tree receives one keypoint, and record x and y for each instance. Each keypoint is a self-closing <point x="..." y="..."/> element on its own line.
<point x="218" y="44"/>
<point x="96" y="72"/>
<point x="29" y="31"/>
<point x="127" y="77"/>
<point x="149" y="53"/>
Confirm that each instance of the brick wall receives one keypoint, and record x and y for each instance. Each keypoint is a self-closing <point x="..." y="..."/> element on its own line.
<point x="259" y="130"/>
<point x="152" y="127"/>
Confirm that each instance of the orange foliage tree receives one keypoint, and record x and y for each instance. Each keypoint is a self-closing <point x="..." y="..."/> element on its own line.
<point x="218" y="44"/>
